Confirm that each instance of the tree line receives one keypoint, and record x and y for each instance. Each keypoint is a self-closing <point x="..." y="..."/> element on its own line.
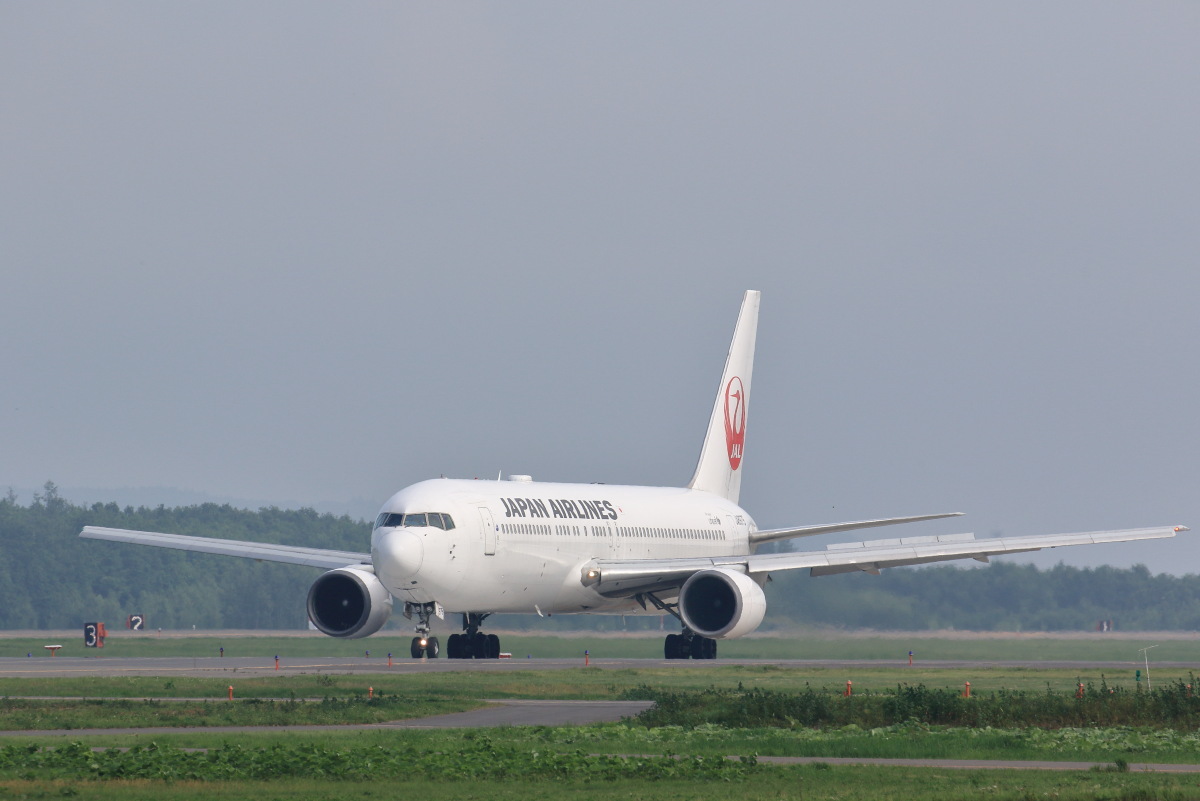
<point x="52" y="579"/>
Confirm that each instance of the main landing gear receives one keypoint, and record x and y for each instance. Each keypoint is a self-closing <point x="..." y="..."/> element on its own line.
<point x="688" y="644"/>
<point x="473" y="643"/>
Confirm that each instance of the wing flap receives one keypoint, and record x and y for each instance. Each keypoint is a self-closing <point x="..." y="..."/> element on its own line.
<point x="621" y="578"/>
<point x="264" y="551"/>
<point x="626" y="577"/>
<point x="776" y="534"/>
<point x="873" y="556"/>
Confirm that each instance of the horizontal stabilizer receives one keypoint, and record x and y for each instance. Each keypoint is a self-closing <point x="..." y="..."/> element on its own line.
<point x="264" y="551"/>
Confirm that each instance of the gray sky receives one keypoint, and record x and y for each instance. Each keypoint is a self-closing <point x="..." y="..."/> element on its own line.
<point x="307" y="254"/>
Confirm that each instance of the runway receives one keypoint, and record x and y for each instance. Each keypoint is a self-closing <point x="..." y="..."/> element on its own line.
<point x="46" y="667"/>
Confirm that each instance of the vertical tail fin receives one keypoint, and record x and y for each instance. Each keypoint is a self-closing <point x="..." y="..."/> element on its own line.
<point x="719" y="468"/>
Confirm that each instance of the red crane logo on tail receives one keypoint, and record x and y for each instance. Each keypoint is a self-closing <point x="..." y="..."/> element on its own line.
<point x="735" y="421"/>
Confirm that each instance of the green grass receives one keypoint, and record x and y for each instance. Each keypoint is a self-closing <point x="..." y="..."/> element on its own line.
<point x="1169" y="705"/>
<point x="516" y="743"/>
<point x="577" y="683"/>
<point x="477" y="757"/>
<point x="889" y="742"/>
<point x="904" y="741"/>
<point x="810" y="645"/>
<point x="803" y="782"/>
<point x="509" y="760"/>
<point x="33" y="715"/>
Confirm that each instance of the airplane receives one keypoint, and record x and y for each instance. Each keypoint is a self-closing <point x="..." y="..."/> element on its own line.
<point x="477" y="548"/>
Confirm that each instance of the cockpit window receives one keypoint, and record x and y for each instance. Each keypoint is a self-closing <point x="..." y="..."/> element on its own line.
<point x="395" y="519"/>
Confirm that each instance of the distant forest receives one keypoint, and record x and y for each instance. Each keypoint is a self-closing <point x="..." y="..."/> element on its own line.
<point x="52" y="579"/>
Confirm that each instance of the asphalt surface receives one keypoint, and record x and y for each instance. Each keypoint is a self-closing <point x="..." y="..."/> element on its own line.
<point x="45" y="666"/>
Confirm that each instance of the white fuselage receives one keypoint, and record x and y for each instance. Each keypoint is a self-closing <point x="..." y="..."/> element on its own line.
<point x="522" y="546"/>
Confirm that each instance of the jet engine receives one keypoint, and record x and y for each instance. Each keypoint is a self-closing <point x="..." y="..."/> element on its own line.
<point x="721" y="603"/>
<point x="349" y="602"/>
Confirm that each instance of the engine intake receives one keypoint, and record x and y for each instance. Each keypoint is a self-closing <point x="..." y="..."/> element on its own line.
<point x="349" y="602"/>
<point x="721" y="603"/>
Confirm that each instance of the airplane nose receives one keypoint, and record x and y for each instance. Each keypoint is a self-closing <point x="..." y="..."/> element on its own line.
<point x="398" y="554"/>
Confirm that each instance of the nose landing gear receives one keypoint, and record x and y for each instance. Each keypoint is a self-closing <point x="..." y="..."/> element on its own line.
<point x="423" y="645"/>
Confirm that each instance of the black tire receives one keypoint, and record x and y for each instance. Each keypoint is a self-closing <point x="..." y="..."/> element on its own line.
<point x="697" y="647"/>
<point x="454" y="647"/>
<point x="415" y="649"/>
<point x="493" y="646"/>
<point x="479" y="645"/>
<point x="671" y="649"/>
<point x="710" y="649"/>
<point x="432" y="648"/>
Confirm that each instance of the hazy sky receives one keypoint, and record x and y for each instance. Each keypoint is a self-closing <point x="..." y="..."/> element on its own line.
<point x="310" y="253"/>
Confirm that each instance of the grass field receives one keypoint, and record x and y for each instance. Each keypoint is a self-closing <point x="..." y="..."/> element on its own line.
<point x="594" y="683"/>
<point x="803" y="645"/>
<point x="505" y="769"/>
<point x="527" y="758"/>
<point x="895" y="742"/>
<point x="804" y="782"/>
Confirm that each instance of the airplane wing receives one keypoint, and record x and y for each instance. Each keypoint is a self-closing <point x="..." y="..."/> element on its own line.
<point x="622" y="578"/>
<point x="775" y="534"/>
<point x="263" y="551"/>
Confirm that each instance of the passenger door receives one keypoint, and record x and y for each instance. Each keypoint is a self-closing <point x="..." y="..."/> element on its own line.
<point x="489" y="531"/>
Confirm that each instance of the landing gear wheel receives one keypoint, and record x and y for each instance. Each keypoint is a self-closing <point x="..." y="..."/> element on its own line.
<point x="432" y="648"/>
<point x="417" y="650"/>
<point x="702" y="648"/>
<point x="673" y="647"/>
<point x="473" y="643"/>
<point x="454" y="647"/>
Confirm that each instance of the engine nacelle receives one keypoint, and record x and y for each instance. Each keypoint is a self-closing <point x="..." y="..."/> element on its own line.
<point x="721" y="603"/>
<point x="349" y="602"/>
